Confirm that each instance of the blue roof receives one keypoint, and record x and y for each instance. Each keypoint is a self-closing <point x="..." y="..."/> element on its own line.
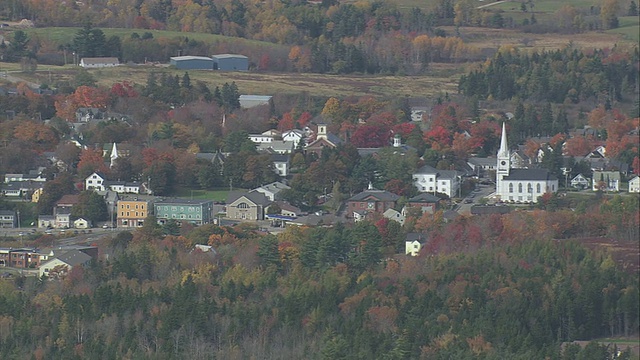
<point x="281" y="217"/>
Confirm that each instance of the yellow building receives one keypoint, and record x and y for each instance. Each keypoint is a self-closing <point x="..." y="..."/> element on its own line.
<point x="36" y="195"/>
<point x="131" y="213"/>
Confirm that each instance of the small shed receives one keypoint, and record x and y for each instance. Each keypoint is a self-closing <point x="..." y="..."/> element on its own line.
<point x="82" y="223"/>
<point x="230" y="62"/>
<point x="192" y="62"/>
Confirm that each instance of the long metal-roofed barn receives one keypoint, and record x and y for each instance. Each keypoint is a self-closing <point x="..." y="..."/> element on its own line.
<point x="192" y="62"/>
<point x="230" y="62"/>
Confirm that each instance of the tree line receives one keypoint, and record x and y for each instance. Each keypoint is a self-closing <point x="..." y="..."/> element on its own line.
<point x="482" y="288"/>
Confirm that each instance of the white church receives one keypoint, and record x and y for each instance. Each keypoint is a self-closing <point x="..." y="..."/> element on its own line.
<point x="520" y="185"/>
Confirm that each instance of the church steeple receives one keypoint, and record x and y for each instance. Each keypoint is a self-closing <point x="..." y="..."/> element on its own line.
<point x="114" y="155"/>
<point x="504" y="157"/>
<point x="504" y="148"/>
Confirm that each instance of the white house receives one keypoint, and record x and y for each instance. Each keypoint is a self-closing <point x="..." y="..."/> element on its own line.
<point x="295" y="136"/>
<point x="412" y="247"/>
<point x="431" y="180"/>
<point x="520" y="185"/>
<point x="281" y="164"/>
<point x="394" y="215"/>
<point x="606" y="181"/>
<point x="98" y="183"/>
<point x="81" y="223"/>
<point x="266" y="137"/>
<point x="65" y="262"/>
<point x="94" y="181"/>
<point x="419" y="113"/>
<point x="99" y="62"/>
<point x="276" y="146"/>
<point x="580" y="182"/>
<point x="634" y="185"/>
<point x="272" y="191"/>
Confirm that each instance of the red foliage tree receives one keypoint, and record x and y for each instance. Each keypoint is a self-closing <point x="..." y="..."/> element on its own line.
<point x="636" y="165"/>
<point x="370" y="136"/>
<point x="578" y="146"/>
<point x="438" y="137"/>
<point x="304" y="119"/>
<point x="91" y="160"/>
<point x="287" y="122"/>
<point x="404" y="129"/>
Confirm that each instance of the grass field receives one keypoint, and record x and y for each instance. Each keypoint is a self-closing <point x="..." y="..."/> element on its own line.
<point x="215" y="195"/>
<point x="444" y="79"/>
<point x="629" y="28"/>
<point x="545" y="6"/>
<point x="64" y="35"/>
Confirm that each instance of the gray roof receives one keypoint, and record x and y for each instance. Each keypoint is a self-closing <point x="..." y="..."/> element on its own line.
<point x="414" y="236"/>
<point x="274" y="187"/>
<point x="425" y="198"/>
<point x="74" y="257"/>
<point x="178" y="201"/>
<point x="530" y="174"/>
<point x="189" y="57"/>
<point x="100" y="60"/>
<point x="381" y="195"/>
<point x="7" y="212"/>
<point x="229" y="56"/>
<point x="255" y="197"/>
<point x="281" y="158"/>
<point x="430" y="170"/>
<point x="485" y="210"/>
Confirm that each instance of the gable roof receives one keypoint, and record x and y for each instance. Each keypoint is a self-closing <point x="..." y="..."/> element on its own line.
<point x="430" y="170"/>
<point x="100" y="60"/>
<point x="530" y="174"/>
<point x="74" y="257"/>
<point x="68" y="199"/>
<point x="424" y="198"/>
<point x="380" y="195"/>
<point x="253" y="196"/>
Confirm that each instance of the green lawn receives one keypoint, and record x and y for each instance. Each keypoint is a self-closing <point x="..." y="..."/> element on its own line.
<point x="629" y="27"/>
<point x="64" y="35"/>
<point x="547" y="6"/>
<point x="215" y="195"/>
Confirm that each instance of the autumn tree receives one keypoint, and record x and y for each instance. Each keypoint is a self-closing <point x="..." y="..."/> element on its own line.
<point x="91" y="161"/>
<point x="91" y="206"/>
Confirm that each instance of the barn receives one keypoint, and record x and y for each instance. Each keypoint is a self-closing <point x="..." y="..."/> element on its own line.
<point x="231" y="62"/>
<point x="192" y="62"/>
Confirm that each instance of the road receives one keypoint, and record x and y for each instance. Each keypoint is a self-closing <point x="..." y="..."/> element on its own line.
<point x="473" y="198"/>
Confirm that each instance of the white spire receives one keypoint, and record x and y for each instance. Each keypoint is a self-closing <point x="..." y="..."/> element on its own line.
<point x="114" y="154"/>
<point x="504" y="148"/>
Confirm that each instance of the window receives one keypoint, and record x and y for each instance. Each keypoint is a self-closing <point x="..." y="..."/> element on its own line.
<point x="510" y="188"/>
<point x="529" y="188"/>
<point x="127" y="206"/>
<point x="538" y="188"/>
<point x="243" y="206"/>
<point x="430" y="179"/>
<point x="520" y="187"/>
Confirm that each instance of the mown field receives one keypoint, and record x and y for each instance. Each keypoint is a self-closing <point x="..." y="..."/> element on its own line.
<point x="444" y="80"/>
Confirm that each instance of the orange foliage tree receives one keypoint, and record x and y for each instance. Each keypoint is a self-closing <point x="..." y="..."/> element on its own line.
<point x="41" y="136"/>
<point x="84" y="96"/>
<point x="91" y="161"/>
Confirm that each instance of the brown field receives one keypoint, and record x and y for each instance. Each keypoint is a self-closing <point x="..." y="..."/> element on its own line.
<point x="626" y="254"/>
<point x="494" y="38"/>
<point x="444" y="79"/>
